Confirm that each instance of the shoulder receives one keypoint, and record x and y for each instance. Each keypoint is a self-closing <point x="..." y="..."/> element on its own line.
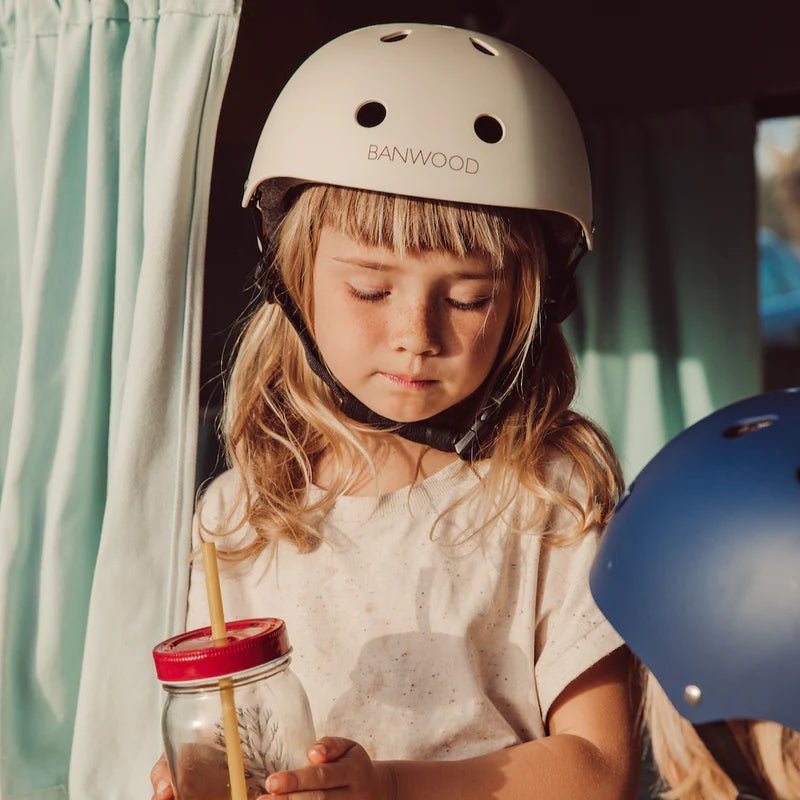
<point x="221" y="504"/>
<point x="222" y="490"/>
<point x="556" y="500"/>
<point x="563" y="475"/>
<point x="558" y="481"/>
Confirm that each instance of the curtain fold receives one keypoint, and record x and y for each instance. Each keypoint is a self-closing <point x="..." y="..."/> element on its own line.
<point x="113" y="107"/>
<point x="667" y="329"/>
<point x="10" y="272"/>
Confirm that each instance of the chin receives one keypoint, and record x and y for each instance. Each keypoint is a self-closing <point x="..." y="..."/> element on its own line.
<point x="409" y="418"/>
<point x="404" y="410"/>
<point x="404" y="415"/>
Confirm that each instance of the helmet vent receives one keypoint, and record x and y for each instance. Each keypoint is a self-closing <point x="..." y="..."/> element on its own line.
<point x="398" y="36"/>
<point x="482" y="47"/>
<point x="489" y="129"/>
<point x="370" y="114"/>
<point x="749" y="426"/>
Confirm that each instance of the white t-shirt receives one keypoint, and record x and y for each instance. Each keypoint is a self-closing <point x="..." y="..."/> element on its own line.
<point x="419" y="647"/>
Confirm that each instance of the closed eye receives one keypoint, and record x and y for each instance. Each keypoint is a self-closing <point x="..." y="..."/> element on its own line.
<point x="369" y="297"/>
<point x="475" y="305"/>
<point x="374" y="297"/>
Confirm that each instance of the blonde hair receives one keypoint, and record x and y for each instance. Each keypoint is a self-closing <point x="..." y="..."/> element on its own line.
<point x="689" y="772"/>
<point x="280" y="417"/>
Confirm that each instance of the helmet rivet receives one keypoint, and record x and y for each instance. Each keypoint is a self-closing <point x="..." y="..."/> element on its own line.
<point x="692" y="695"/>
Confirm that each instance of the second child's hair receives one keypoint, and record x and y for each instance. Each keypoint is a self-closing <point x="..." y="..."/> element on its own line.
<point x="689" y="772"/>
<point x="280" y="417"/>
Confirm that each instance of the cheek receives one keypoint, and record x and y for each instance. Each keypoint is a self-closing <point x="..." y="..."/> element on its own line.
<point x="481" y="338"/>
<point x="340" y="322"/>
<point x="363" y="319"/>
<point x="360" y="323"/>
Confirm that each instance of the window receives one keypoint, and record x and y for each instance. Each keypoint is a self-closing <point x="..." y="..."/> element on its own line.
<point x="778" y="175"/>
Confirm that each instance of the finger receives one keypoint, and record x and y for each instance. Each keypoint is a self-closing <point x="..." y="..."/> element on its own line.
<point x="330" y="794"/>
<point x="329" y="748"/>
<point x="308" y="779"/>
<point x="161" y="780"/>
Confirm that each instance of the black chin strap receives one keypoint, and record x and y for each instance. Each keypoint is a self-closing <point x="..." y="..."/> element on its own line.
<point x="489" y="405"/>
<point x="721" y="743"/>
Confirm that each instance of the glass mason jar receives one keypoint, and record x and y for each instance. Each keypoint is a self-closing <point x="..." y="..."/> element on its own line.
<point x="271" y="707"/>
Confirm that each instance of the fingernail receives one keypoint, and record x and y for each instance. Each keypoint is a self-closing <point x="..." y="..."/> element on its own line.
<point x="162" y="788"/>
<point x="273" y="784"/>
<point x="320" y="750"/>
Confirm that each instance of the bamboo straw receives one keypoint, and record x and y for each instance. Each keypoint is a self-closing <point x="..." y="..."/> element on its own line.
<point x="233" y="745"/>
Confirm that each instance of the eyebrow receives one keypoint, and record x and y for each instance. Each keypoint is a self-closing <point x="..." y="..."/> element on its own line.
<point x="379" y="266"/>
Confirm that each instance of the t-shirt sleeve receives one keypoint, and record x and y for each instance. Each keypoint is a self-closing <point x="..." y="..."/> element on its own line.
<point x="571" y="632"/>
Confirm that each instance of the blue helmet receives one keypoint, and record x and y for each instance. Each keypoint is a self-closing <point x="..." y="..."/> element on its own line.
<point x="699" y="568"/>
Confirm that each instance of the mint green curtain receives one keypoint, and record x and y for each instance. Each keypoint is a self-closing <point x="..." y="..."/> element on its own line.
<point x="668" y="327"/>
<point x="10" y="276"/>
<point x="108" y="114"/>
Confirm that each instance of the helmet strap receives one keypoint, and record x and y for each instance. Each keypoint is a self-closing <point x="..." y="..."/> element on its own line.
<point x="722" y="744"/>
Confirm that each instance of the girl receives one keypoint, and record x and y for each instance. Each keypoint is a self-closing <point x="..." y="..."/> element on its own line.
<point x="409" y="489"/>
<point x="719" y="506"/>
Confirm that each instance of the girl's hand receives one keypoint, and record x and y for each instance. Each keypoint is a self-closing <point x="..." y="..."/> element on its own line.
<point x="340" y="770"/>
<point x="161" y="780"/>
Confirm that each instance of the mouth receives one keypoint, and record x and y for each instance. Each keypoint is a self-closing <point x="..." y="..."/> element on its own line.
<point x="408" y="381"/>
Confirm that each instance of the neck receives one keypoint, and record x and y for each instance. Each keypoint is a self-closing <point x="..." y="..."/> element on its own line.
<point x="398" y="463"/>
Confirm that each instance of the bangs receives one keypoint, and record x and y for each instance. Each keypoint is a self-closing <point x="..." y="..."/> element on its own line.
<point x="414" y="225"/>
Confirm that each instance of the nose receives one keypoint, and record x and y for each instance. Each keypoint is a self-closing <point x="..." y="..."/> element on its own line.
<point x="414" y="330"/>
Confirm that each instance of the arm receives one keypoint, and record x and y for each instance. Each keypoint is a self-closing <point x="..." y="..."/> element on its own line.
<point x="592" y="752"/>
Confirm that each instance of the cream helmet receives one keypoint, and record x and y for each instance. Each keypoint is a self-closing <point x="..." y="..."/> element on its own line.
<point x="434" y="112"/>
<point x="428" y="111"/>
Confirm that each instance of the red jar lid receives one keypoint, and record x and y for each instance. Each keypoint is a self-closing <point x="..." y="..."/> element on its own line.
<point x="192" y="656"/>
